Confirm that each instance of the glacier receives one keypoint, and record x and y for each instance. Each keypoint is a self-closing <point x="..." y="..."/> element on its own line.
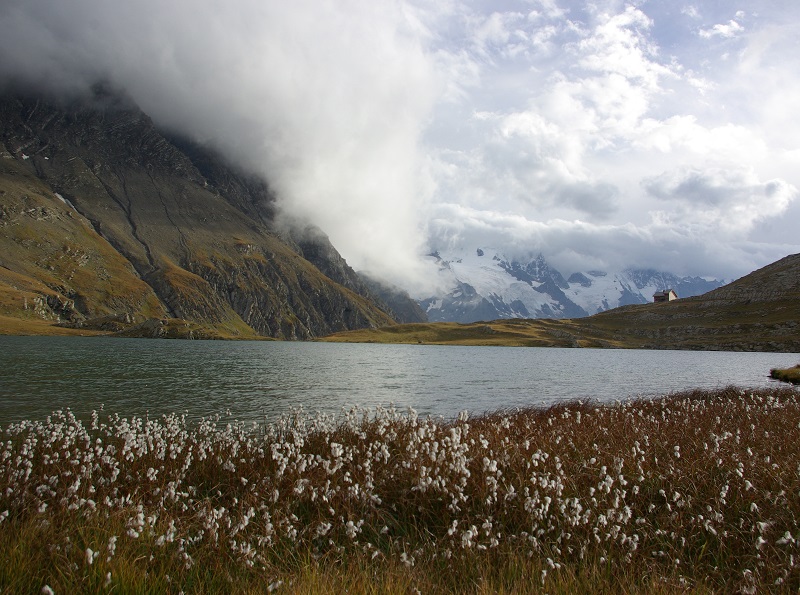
<point x="484" y="284"/>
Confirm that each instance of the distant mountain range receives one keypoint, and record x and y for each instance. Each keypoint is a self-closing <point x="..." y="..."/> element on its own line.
<point x="488" y="285"/>
<point x="759" y="312"/>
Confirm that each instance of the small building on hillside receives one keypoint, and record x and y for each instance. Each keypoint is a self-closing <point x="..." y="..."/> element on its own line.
<point x="665" y="296"/>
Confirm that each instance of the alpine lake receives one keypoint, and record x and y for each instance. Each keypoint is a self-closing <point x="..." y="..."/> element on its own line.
<point x="261" y="381"/>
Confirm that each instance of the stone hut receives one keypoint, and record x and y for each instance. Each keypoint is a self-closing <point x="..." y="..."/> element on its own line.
<point x="665" y="296"/>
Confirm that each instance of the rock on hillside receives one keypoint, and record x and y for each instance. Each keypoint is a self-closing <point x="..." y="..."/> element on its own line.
<point x="101" y="214"/>
<point x="398" y="301"/>
<point x="315" y="246"/>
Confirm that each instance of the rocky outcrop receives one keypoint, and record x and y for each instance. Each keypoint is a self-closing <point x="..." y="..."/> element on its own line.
<point x="399" y="303"/>
<point x="103" y="215"/>
<point x="315" y="246"/>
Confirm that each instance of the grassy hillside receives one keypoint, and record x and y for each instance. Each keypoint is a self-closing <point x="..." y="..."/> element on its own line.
<point x="759" y="312"/>
<point x="54" y="265"/>
<point x="105" y="223"/>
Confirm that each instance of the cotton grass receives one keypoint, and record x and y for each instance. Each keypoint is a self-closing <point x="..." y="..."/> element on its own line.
<point x="694" y="491"/>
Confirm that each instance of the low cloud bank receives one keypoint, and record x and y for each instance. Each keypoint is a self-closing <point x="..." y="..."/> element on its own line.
<point x="599" y="135"/>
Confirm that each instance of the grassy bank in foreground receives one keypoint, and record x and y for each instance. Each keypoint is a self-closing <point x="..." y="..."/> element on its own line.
<point x="698" y="491"/>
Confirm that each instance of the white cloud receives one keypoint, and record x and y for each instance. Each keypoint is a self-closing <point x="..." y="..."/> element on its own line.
<point x="539" y="156"/>
<point x="729" y="201"/>
<point x="590" y="136"/>
<point x="547" y="9"/>
<point x="329" y="106"/>
<point x="496" y="30"/>
<point x="683" y="134"/>
<point x="572" y="245"/>
<point x="726" y="30"/>
<point x="691" y="11"/>
<point x="619" y="45"/>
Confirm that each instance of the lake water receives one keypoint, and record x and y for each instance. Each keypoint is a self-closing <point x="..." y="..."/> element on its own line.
<point x="257" y="381"/>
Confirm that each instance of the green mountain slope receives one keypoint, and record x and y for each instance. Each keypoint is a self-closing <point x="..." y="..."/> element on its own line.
<point x="105" y="223"/>
<point x="759" y="312"/>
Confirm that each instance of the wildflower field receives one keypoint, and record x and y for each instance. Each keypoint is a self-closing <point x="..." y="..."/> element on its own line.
<point x="692" y="492"/>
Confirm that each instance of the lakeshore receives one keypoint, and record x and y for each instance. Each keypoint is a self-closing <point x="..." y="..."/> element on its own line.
<point x="688" y="492"/>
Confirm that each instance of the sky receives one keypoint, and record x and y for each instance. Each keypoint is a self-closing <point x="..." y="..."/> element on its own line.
<point x="650" y="133"/>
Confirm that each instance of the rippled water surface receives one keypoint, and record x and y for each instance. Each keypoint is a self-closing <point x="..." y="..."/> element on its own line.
<point x="258" y="381"/>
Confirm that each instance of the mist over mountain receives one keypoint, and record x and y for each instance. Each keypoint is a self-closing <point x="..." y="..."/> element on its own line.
<point x="603" y="135"/>
<point x="107" y="223"/>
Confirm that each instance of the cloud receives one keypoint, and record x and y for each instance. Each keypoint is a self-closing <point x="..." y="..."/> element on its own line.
<point x="685" y="135"/>
<point x="574" y="245"/>
<point x="726" y="30"/>
<point x="691" y="11"/>
<point x="539" y="156"/>
<point x="607" y="131"/>
<point x="328" y="105"/>
<point x="613" y="152"/>
<point x="730" y="201"/>
<point x="619" y="45"/>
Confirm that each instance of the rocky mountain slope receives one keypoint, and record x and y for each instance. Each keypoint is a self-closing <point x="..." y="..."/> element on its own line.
<point x="759" y="312"/>
<point x="488" y="285"/>
<point x="108" y="223"/>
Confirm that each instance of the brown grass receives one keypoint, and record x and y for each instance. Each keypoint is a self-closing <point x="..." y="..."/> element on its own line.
<point x="695" y="492"/>
<point x="10" y="325"/>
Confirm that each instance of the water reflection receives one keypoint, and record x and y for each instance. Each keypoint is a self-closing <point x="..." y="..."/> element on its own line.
<point x="263" y="380"/>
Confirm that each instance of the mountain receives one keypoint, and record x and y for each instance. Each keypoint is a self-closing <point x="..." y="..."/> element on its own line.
<point x="402" y="307"/>
<point x="759" y="312"/>
<point x="108" y="223"/>
<point x="487" y="285"/>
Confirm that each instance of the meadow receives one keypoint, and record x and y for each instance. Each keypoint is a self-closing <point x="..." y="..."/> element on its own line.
<point x="692" y="492"/>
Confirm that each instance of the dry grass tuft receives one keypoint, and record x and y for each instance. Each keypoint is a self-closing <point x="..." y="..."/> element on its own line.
<point x="791" y="375"/>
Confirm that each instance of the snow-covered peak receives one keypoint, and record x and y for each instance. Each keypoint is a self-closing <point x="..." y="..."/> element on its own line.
<point x="485" y="284"/>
